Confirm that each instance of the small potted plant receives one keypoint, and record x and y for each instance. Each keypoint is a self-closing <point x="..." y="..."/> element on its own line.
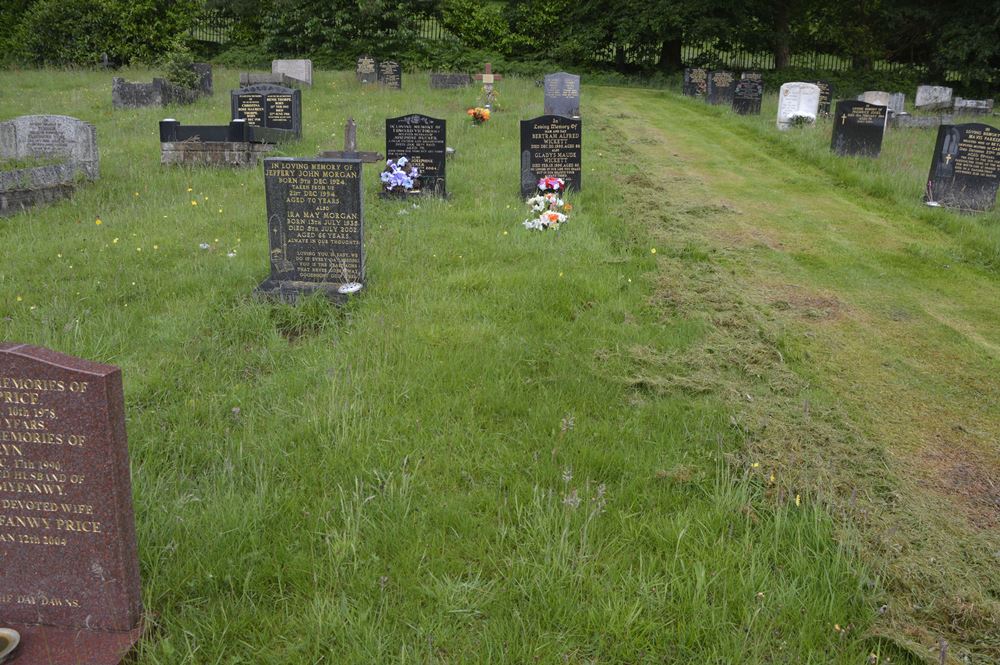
<point x="398" y="181"/>
<point x="549" y="205"/>
<point x="479" y="115"/>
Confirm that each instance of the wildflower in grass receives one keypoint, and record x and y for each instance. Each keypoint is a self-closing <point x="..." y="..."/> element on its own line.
<point x="755" y="465"/>
<point x="798" y="500"/>
<point x="115" y="241"/>
<point x="137" y="194"/>
<point x="98" y="221"/>
<point x="138" y="249"/>
<point x="652" y="251"/>
<point x="193" y="202"/>
<point x="204" y="245"/>
<point x="190" y="190"/>
<point x="567" y="474"/>
<point x="19" y="299"/>
<point x="156" y="247"/>
<point x="231" y="254"/>
<point x="572" y="500"/>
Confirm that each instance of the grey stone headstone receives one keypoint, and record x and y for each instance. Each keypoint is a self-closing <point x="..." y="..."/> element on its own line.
<point x="933" y="97"/>
<point x="973" y="106"/>
<point x="445" y="80"/>
<point x="300" y="70"/>
<point x="367" y="69"/>
<point x="897" y="103"/>
<point x="562" y="94"/>
<point x="878" y="97"/>
<point x="390" y="74"/>
<point x="58" y="136"/>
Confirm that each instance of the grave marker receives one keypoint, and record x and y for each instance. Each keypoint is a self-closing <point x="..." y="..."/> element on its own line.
<point x="879" y="97"/>
<point x="797" y="103"/>
<point x="752" y="75"/>
<point x="720" y="87"/>
<point x="825" y="96"/>
<point x="70" y="574"/>
<point x="858" y="129"/>
<point x="695" y="82"/>
<point x="350" y="150"/>
<point x="965" y="170"/>
<point x="447" y="80"/>
<point x="747" y="97"/>
<point x="562" y="94"/>
<point x="300" y="70"/>
<point x="270" y="106"/>
<point x="421" y="139"/>
<point x="973" y="106"/>
<point x="367" y="69"/>
<point x="390" y="74"/>
<point x="933" y="98"/>
<point x="551" y="145"/>
<point x="488" y="78"/>
<point x="315" y="221"/>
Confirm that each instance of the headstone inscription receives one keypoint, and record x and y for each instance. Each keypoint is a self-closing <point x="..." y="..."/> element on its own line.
<point x="367" y="69"/>
<point x="551" y="146"/>
<point x="752" y="75"/>
<point x="747" y="97"/>
<point x="933" y="97"/>
<point x="300" y="70"/>
<point x="70" y="573"/>
<point x="444" y="80"/>
<point x="421" y="139"/>
<point x="390" y="74"/>
<point x="270" y="106"/>
<point x="562" y="94"/>
<point x="858" y="129"/>
<point x="965" y="170"/>
<point x="973" y="106"/>
<point x="695" y="82"/>
<point x="315" y="223"/>
<point x="798" y="103"/>
<point x="825" y="97"/>
<point x="720" y="87"/>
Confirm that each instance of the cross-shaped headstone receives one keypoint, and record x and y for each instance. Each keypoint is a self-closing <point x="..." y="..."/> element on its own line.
<point x="350" y="150"/>
<point x="488" y="78"/>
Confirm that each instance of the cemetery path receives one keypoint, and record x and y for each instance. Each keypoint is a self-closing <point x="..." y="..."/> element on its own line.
<point x="874" y="311"/>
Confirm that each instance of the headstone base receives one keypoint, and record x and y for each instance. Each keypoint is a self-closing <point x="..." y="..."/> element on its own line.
<point x="47" y="645"/>
<point x="290" y="292"/>
<point x="214" y="153"/>
<point x="18" y="200"/>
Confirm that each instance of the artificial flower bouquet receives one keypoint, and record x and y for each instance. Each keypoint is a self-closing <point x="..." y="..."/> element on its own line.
<point x="479" y="115"/>
<point x="397" y="179"/>
<point x="549" y="205"/>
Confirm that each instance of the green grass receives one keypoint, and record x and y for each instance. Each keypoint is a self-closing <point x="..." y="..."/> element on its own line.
<point x="512" y="448"/>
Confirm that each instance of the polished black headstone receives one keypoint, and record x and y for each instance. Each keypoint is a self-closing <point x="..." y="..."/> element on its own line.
<point x="270" y="106"/>
<point x="390" y="74"/>
<point x="965" y="171"/>
<point x="858" y="129"/>
<point x="421" y="139"/>
<point x="551" y="146"/>
<point x="367" y="69"/>
<point x="562" y="94"/>
<point x="315" y="226"/>
<point x="720" y="87"/>
<point x="747" y="96"/>
<point x="696" y="82"/>
<point x="825" y="97"/>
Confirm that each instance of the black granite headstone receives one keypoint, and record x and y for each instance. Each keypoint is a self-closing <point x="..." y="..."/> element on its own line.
<point x="367" y="69"/>
<point x="551" y="146"/>
<point x="720" y="87"/>
<point x="562" y="94"/>
<point x="858" y="128"/>
<point x="825" y="97"/>
<point x="270" y="106"/>
<point x="747" y="96"/>
<point x="696" y="82"/>
<point x="965" y="171"/>
<point x="450" y="80"/>
<point x="315" y="223"/>
<point x="421" y="139"/>
<point x="390" y="74"/>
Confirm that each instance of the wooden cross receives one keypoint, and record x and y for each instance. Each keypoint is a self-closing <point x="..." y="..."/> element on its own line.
<point x="488" y="78"/>
<point x="350" y="150"/>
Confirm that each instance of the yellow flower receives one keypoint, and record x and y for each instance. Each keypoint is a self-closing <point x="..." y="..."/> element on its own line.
<point x="138" y="249"/>
<point x="755" y="465"/>
<point x="156" y="246"/>
<point x="190" y="190"/>
<point x="98" y="221"/>
<point x="220" y="210"/>
<point x="652" y="251"/>
<point x="19" y="298"/>
<point x="137" y="193"/>
<point x="193" y="202"/>
<point x="772" y="478"/>
<point x="505" y="233"/>
<point x="798" y="500"/>
<point x="115" y="241"/>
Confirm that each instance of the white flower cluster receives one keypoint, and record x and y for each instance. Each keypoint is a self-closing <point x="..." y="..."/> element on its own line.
<point x="550" y="207"/>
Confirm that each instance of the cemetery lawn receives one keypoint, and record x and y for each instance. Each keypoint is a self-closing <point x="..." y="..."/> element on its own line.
<point x="742" y="409"/>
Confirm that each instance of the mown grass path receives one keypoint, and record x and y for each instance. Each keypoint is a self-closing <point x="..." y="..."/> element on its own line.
<point x="881" y="315"/>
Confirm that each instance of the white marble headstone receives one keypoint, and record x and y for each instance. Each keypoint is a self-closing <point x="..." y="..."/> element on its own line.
<point x="300" y="70"/>
<point x="933" y="97"/>
<point x="797" y="100"/>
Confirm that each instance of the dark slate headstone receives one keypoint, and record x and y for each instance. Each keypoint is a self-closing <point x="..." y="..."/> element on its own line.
<point x="270" y="106"/>
<point x="69" y="582"/>
<point x="551" y="146"/>
<point x="315" y="225"/>
<point x="390" y="74"/>
<point x="696" y="82"/>
<point x="421" y="139"/>
<point x="562" y="94"/>
<point x="720" y="87"/>
<point x="747" y="96"/>
<point x="450" y="80"/>
<point x="825" y="96"/>
<point x="858" y="129"/>
<point x="965" y="171"/>
<point x="367" y="69"/>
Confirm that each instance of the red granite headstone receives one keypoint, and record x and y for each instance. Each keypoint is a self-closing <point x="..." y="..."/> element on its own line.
<point x="69" y="574"/>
